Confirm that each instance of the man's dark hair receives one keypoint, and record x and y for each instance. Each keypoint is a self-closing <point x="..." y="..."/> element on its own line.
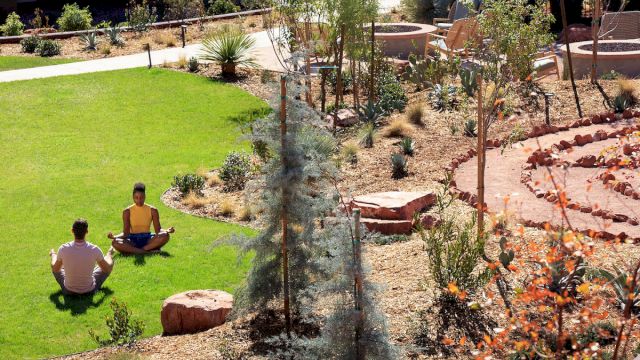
<point x="80" y="228"/>
<point x="139" y="187"/>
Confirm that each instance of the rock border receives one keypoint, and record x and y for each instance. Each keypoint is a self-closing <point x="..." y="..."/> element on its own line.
<point x="543" y="157"/>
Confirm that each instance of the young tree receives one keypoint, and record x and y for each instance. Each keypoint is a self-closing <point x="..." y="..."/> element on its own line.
<point x="183" y="9"/>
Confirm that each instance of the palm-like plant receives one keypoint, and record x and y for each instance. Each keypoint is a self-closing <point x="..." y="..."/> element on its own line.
<point x="229" y="49"/>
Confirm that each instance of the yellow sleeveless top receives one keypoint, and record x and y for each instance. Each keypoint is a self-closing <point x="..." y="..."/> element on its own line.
<point x="140" y="218"/>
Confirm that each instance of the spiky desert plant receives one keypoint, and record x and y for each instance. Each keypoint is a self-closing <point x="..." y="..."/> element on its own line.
<point x="292" y="186"/>
<point x="368" y="135"/>
<point x="229" y="48"/>
<point x="89" y="40"/>
<point x="470" y="127"/>
<point x="398" y="166"/>
<point x="113" y="34"/>
<point x="407" y="145"/>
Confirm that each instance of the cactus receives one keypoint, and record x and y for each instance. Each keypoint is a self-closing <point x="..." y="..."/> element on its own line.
<point x="90" y="40"/>
<point x="506" y="255"/>
<point x="417" y="73"/>
<point x="469" y="81"/>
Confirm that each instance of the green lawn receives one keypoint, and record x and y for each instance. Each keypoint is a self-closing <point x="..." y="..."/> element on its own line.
<point x="73" y="147"/>
<point x="23" y="62"/>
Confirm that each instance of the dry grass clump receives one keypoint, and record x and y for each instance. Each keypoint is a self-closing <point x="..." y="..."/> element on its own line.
<point x="398" y="128"/>
<point x="349" y="152"/>
<point x="195" y="201"/>
<point x="163" y="38"/>
<point x="415" y="113"/>
<point x="627" y="89"/>
<point x="245" y="213"/>
<point x="213" y="180"/>
<point x="104" y="49"/>
<point x="226" y="208"/>
<point x="182" y="61"/>
<point x="202" y="171"/>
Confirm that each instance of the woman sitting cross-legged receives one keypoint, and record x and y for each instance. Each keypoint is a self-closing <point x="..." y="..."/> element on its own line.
<point x="136" y="236"/>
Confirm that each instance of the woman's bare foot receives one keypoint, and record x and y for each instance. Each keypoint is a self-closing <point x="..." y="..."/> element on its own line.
<point x="171" y="230"/>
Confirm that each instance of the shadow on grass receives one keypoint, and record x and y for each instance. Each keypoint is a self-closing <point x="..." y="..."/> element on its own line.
<point x="141" y="259"/>
<point x="78" y="304"/>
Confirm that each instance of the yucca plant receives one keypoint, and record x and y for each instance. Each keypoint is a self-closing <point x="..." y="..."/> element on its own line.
<point x="368" y="135"/>
<point x="113" y="34"/>
<point x="621" y="281"/>
<point x="399" y="166"/>
<point x="407" y="146"/>
<point x="620" y="104"/>
<point x="193" y="64"/>
<point x="229" y="49"/>
<point x="470" y="127"/>
<point x="90" y="40"/>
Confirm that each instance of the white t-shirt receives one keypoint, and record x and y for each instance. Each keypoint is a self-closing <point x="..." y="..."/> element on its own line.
<point x="78" y="261"/>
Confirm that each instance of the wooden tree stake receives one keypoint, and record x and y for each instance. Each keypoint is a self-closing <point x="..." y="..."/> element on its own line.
<point x="595" y="25"/>
<point x="285" y="224"/>
<point x="566" y="42"/>
<point x="372" y="66"/>
<point x="358" y="287"/>
<point x="481" y="155"/>
<point x="339" y="79"/>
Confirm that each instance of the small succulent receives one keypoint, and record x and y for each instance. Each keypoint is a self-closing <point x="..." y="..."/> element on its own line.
<point x="407" y="145"/>
<point x="470" y="128"/>
<point x="620" y="104"/>
<point x="399" y="166"/>
<point x="193" y="64"/>
<point x="506" y="255"/>
<point x="443" y="97"/>
<point x="90" y="40"/>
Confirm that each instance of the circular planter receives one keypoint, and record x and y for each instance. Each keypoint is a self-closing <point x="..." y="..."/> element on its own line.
<point x="621" y="56"/>
<point x="401" y="39"/>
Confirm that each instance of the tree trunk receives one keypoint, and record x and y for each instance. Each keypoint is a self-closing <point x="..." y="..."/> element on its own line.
<point x="285" y="223"/>
<point x="595" y="24"/>
<point x="566" y="42"/>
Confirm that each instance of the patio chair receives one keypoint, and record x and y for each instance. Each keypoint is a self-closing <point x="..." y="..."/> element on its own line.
<point x="620" y="25"/>
<point x="545" y="64"/>
<point x="453" y="43"/>
<point x="457" y="11"/>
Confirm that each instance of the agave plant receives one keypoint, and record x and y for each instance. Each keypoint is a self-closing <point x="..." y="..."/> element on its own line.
<point x="371" y="113"/>
<point x="469" y="81"/>
<point x="229" y="49"/>
<point x="470" y="127"/>
<point x="620" y="104"/>
<point x="113" y="34"/>
<point x="443" y="97"/>
<point x="90" y="40"/>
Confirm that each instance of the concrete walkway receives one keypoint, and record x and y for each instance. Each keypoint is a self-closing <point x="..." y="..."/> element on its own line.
<point x="263" y="53"/>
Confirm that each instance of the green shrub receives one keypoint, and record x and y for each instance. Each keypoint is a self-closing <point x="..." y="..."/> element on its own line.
<point x="183" y="9"/>
<point x="398" y="166"/>
<point x="220" y="7"/>
<point x="47" y="48"/>
<point x="454" y="251"/>
<point x="423" y="11"/>
<point x="390" y="92"/>
<point x="30" y="44"/>
<point x="602" y="333"/>
<point x="193" y="64"/>
<point x="235" y="171"/>
<point x="261" y="149"/>
<point x="74" y="18"/>
<point x="139" y="16"/>
<point x="12" y="26"/>
<point x="122" y="329"/>
<point x="612" y="75"/>
<point x="347" y="81"/>
<point x="188" y="183"/>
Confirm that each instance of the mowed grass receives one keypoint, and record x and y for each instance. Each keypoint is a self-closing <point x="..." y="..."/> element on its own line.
<point x="24" y="62"/>
<point x="73" y="147"/>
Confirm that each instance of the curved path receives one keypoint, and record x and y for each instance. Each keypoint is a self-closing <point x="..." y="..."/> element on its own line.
<point x="592" y="204"/>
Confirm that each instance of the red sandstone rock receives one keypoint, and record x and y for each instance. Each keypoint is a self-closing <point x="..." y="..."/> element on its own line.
<point x="633" y="221"/>
<point x="613" y="135"/>
<point x="565" y="144"/>
<point x="620" y="218"/>
<point x="429" y="221"/>
<point x="607" y="178"/>
<point x="595" y="119"/>
<point x="575" y="124"/>
<point x="627" y="114"/>
<point x="601" y="135"/>
<point x="388" y="227"/>
<point x="627" y="149"/>
<point x="194" y="311"/>
<point x="581" y="140"/>
<point x="636" y="113"/>
<point x="585" y="209"/>
<point x="587" y="161"/>
<point x="393" y="205"/>
<point x="585" y="122"/>
<point x="628" y="191"/>
<point x="346" y="117"/>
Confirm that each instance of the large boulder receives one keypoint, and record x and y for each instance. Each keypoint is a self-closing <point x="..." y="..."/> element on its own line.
<point x="388" y="227"/>
<point x="392" y="205"/>
<point x="194" y="311"/>
<point x="346" y="117"/>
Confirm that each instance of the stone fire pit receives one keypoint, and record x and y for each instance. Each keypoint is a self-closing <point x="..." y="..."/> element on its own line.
<point x="401" y="39"/>
<point x="621" y="56"/>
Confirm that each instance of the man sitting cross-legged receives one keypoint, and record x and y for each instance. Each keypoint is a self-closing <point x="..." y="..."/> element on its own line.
<point x="136" y="237"/>
<point x="74" y="266"/>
